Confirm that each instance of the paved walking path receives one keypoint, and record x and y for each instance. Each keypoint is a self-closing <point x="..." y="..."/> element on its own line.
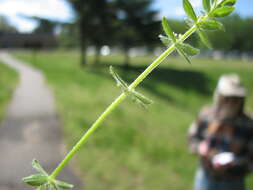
<point x="30" y="130"/>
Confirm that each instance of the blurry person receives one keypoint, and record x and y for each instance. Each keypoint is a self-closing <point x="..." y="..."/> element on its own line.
<point x="222" y="137"/>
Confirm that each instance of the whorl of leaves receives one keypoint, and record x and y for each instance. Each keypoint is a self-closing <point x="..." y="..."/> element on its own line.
<point x="43" y="181"/>
<point x="213" y="9"/>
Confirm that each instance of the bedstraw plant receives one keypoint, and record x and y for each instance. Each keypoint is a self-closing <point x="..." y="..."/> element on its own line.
<point x="213" y="9"/>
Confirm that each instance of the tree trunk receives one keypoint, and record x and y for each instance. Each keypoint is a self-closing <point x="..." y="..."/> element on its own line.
<point x="34" y="56"/>
<point x="83" y="53"/>
<point x="127" y="58"/>
<point x="83" y="45"/>
<point x="97" y="55"/>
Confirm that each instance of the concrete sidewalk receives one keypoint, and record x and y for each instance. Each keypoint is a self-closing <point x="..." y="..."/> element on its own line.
<point x="30" y="130"/>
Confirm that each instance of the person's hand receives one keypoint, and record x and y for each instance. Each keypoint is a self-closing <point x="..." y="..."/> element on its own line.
<point x="203" y="148"/>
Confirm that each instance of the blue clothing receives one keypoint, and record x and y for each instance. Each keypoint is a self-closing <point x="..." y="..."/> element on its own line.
<point x="203" y="181"/>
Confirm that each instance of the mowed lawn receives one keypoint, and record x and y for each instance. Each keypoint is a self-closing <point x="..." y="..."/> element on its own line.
<point x="135" y="148"/>
<point x="8" y="81"/>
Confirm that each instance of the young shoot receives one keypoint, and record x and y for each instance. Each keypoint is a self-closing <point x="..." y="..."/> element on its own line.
<point x="213" y="9"/>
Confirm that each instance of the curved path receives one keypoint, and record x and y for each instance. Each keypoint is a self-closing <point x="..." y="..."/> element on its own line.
<point x="30" y="130"/>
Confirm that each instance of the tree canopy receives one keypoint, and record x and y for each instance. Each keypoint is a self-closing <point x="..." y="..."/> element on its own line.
<point x="133" y="23"/>
<point x="5" y="25"/>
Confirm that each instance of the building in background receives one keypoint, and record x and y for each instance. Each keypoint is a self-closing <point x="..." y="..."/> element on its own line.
<point x="31" y="41"/>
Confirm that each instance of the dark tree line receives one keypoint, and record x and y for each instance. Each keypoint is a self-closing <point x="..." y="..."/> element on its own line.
<point x="132" y="23"/>
<point x="122" y="23"/>
<point x="5" y="26"/>
<point x="238" y="35"/>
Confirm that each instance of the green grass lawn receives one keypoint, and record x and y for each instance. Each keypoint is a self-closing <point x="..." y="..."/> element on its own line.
<point x="8" y="81"/>
<point x="135" y="148"/>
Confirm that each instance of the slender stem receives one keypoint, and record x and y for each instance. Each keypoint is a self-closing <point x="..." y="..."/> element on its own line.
<point x="87" y="134"/>
<point x="151" y="67"/>
<point x="117" y="101"/>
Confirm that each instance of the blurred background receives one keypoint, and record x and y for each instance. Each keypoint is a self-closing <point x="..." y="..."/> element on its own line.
<point x="114" y="27"/>
<point x="73" y="42"/>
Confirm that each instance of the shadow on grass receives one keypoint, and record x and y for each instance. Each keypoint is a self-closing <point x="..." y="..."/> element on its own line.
<point x="182" y="79"/>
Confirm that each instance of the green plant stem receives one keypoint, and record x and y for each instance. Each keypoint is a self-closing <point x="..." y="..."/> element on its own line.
<point x="96" y="124"/>
<point x="117" y="101"/>
<point x="157" y="62"/>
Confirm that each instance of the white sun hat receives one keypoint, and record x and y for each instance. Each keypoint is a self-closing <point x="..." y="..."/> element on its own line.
<point x="230" y="85"/>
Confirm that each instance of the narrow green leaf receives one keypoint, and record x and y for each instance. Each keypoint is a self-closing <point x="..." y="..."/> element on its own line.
<point x="189" y="10"/>
<point x="63" y="185"/>
<point x="206" y="5"/>
<point x="204" y="38"/>
<point x="183" y="54"/>
<point x="135" y="100"/>
<point x="43" y="187"/>
<point x="211" y="25"/>
<point x="219" y="2"/>
<point x="141" y="97"/>
<point x="37" y="166"/>
<point x="228" y="2"/>
<point x="213" y="3"/>
<point x="120" y="82"/>
<point x="165" y="40"/>
<point x="189" y="22"/>
<point x="36" y="180"/>
<point x="188" y="49"/>
<point x="167" y="29"/>
<point x="223" y="11"/>
<point x="53" y="186"/>
<point x="138" y="101"/>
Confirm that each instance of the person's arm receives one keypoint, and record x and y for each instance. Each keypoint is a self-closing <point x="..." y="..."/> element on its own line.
<point x="196" y="136"/>
<point x="246" y="160"/>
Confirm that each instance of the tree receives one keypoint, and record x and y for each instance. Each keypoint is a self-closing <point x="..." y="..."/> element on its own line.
<point x="5" y="26"/>
<point x="104" y="22"/>
<point x="93" y="22"/>
<point x="103" y="26"/>
<point x="137" y="24"/>
<point x="45" y="26"/>
<point x="239" y="35"/>
<point x="83" y="13"/>
<point x="68" y="36"/>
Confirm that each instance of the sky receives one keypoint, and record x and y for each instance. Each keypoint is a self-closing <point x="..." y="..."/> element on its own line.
<point x="173" y="8"/>
<point x="60" y="10"/>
